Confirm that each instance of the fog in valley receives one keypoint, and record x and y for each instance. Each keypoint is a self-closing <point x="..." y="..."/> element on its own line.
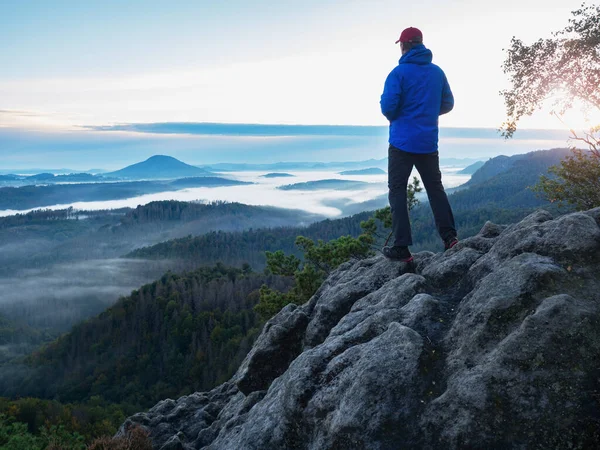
<point x="265" y="192"/>
<point x="57" y="271"/>
<point x="59" y="296"/>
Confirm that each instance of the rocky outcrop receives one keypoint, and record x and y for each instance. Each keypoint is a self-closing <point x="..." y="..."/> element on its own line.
<point x="492" y="344"/>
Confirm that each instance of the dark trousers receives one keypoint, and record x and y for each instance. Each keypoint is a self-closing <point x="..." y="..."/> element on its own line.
<point x="400" y="165"/>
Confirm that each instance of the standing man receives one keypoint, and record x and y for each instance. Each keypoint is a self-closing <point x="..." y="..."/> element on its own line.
<point x="416" y="93"/>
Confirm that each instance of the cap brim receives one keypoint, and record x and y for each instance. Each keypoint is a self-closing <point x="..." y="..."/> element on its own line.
<point x="397" y="41"/>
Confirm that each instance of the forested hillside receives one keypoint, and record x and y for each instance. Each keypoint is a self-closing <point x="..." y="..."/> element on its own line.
<point x="500" y="193"/>
<point x="45" y="237"/>
<point x="529" y="166"/>
<point x="248" y="246"/>
<point x="189" y="332"/>
<point x="58" y="268"/>
<point x="231" y="215"/>
<point x="179" y="334"/>
<point x="16" y="338"/>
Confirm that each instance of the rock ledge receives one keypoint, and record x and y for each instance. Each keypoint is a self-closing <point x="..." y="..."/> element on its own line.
<point x="492" y="344"/>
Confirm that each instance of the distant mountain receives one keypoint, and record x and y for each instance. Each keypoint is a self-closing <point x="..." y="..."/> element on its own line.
<point x="82" y="177"/>
<point x="324" y="184"/>
<point x="457" y="162"/>
<point x="470" y="170"/>
<point x="529" y="165"/>
<point x="51" y="178"/>
<point x="159" y="167"/>
<point x="277" y="175"/>
<point x="499" y="191"/>
<point x="369" y="171"/>
<point x="9" y="177"/>
<point x="45" y="176"/>
<point x="492" y="168"/>
<point x="501" y="194"/>
<point x="35" y="171"/>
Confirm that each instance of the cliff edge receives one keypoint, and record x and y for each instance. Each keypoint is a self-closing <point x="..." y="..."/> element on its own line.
<point x="492" y="344"/>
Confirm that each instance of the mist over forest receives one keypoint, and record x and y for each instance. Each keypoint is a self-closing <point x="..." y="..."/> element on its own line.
<point x="186" y="277"/>
<point x="58" y="268"/>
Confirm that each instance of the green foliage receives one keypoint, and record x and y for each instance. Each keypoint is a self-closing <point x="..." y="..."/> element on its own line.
<point x="326" y="256"/>
<point x="320" y="259"/>
<point x="576" y="181"/>
<point x="59" y="437"/>
<point x="136" y="439"/>
<point x="565" y="67"/>
<point x="65" y="422"/>
<point x="272" y="301"/>
<point x="30" y="423"/>
<point x="66" y="427"/>
<point x="383" y="216"/>
<point x="306" y="282"/>
<point x="413" y="189"/>
<point x="15" y="436"/>
<point x="280" y="264"/>
<point x="180" y="334"/>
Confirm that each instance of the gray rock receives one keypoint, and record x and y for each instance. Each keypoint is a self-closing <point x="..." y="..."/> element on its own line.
<point x="485" y="239"/>
<point x="448" y="268"/>
<point x="277" y="346"/>
<point x="594" y="214"/>
<point x="346" y="394"/>
<point x="333" y="302"/>
<point x="492" y="344"/>
<point x="175" y="443"/>
<point x="570" y="239"/>
<point x="504" y="297"/>
<point x="528" y="391"/>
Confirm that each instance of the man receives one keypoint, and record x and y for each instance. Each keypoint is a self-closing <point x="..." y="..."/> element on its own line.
<point x="416" y="93"/>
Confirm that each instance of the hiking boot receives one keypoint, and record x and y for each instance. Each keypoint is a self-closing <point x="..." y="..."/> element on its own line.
<point x="396" y="253"/>
<point x="450" y="242"/>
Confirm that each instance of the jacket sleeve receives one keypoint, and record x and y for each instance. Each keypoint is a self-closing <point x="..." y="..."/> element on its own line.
<point x="447" y="98"/>
<point x="390" y="99"/>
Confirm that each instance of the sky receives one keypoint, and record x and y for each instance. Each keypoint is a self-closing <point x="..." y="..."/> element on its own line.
<point x="71" y="65"/>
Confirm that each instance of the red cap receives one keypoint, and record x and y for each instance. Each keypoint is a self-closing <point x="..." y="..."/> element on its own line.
<point x="411" y="35"/>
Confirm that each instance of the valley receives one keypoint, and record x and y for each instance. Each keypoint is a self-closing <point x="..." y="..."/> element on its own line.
<point x="184" y="276"/>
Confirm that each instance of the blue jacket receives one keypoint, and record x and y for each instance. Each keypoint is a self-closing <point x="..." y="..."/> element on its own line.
<point x="416" y="93"/>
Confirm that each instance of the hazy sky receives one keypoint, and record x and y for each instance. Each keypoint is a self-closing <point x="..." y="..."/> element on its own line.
<point x="68" y="64"/>
<point x="311" y="61"/>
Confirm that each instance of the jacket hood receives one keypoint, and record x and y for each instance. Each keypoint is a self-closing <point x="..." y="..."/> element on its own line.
<point x="419" y="54"/>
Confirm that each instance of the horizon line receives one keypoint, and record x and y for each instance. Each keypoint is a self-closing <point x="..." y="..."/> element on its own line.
<point x="283" y="130"/>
